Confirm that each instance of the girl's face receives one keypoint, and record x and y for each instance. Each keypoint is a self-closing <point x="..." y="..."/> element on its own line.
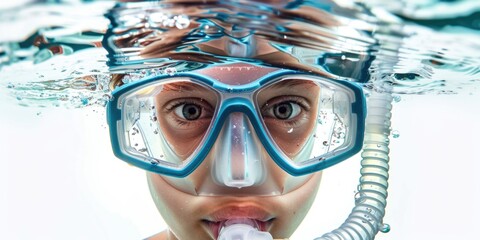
<point x="190" y="216"/>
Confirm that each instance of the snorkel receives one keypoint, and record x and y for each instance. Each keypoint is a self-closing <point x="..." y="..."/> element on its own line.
<point x="366" y="218"/>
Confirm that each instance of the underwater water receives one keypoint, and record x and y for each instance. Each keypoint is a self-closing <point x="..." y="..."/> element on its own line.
<point x="60" y="180"/>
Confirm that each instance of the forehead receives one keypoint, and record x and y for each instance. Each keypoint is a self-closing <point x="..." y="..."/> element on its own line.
<point x="237" y="73"/>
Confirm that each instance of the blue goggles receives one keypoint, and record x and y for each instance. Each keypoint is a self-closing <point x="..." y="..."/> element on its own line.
<point x="169" y="124"/>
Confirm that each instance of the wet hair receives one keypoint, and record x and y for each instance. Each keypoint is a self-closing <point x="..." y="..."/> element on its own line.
<point x="116" y="81"/>
<point x="291" y="38"/>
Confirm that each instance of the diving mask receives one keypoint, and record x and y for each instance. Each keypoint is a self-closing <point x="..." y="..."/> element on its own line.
<point x="236" y="130"/>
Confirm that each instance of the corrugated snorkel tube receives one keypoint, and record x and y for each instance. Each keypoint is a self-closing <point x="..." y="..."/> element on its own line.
<point x="366" y="218"/>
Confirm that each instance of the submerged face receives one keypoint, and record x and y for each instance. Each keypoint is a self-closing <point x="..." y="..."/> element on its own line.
<point x="235" y="142"/>
<point x="289" y="110"/>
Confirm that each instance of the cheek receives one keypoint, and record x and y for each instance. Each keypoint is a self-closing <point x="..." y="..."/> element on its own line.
<point x="295" y="206"/>
<point x="183" y="141"/>
<point x="291" y="140"/>
<point x="173" y="205"/>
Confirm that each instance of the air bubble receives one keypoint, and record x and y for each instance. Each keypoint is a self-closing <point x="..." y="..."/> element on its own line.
<point x="395" y="134"/>
<point x="136" y="130"/>
<point x="168" y="22"/>
<point x="397" y="98"/>
<point x="182" y="22"/>
<point x="385" y="228"/>
<point x="343" y="57"/>
<point x="290" y="130"/>
<point x="126" y="79"/>
<point x="104" y="100"/>
<point x="319" y="120"/>
<point x="170" y="71"/>
<point x="84" y="101"/>
<point x="359" y="197"/>
<point x="153" y="161"/>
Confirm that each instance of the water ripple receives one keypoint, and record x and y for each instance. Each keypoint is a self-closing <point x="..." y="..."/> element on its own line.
<point x="50" y="58"/>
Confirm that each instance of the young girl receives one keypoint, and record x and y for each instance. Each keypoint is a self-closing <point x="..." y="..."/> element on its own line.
<point x="232" y="120"/>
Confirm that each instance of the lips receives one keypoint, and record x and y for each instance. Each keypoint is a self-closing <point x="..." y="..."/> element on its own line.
<point x="255" y="216"/>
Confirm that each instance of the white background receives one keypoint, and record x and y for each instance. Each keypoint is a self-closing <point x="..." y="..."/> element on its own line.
<point x="59" y="179"/>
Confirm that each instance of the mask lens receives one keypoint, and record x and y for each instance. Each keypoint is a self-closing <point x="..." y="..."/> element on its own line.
<point x="309" y="120"/>
<point x="166" y="122"/>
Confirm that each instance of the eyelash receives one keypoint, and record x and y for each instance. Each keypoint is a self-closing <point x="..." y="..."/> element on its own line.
<point x="302" y="102"/>
<point x="173" y="104"/>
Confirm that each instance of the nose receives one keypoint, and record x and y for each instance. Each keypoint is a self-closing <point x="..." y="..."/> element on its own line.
<point x="238" y="158"/>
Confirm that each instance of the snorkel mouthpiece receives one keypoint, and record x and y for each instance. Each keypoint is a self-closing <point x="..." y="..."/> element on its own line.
<point x="242" y="229"/>
<point x="238" y="164"/>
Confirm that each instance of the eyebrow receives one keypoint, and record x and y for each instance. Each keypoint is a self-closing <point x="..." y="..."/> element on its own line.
<point x="187" y="86"/>
<point x="291" y="83"/>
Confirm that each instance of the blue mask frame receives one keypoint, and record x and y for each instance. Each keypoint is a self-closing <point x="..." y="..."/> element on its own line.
<point x="227" y="107"/>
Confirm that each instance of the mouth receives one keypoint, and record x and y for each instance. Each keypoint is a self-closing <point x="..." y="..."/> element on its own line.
<point x="253" y="216"/>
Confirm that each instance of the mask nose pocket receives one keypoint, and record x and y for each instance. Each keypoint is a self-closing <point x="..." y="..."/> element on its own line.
<point x="238" y="155"/>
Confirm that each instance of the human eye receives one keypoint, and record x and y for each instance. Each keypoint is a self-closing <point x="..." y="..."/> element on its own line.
<point x="189" y="110"/>
<point x="285" y="108"/>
